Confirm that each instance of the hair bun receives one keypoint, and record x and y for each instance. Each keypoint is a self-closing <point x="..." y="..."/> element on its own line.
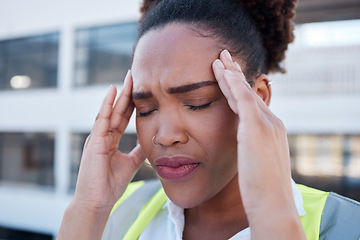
<point x="146" y="6"/>
<point x="267" y="25"/>
<point x="274" y="19"/>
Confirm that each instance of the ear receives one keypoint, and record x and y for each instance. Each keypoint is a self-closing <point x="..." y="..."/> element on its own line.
<point x="263" y="88"/>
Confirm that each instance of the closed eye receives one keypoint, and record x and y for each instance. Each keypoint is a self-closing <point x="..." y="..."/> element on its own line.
<point x="195" y="108"/>
<point x="145" y="114"/>
<point x="191" y="107"/>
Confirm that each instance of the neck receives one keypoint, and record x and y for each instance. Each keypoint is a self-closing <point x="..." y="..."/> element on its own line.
<point x="224" y="213"/>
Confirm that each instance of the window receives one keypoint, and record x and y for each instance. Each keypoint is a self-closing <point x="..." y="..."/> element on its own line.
<point x="103" y="54"/>
<point x="29" y="62"/>
<point x="27" y="158"/>
<point x="127" y="143"/>
<point x="15" y="234"/>
<point x="328" y="162"/>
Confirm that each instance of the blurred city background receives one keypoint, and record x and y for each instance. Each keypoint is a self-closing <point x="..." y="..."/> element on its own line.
<point x="57" y="59"/>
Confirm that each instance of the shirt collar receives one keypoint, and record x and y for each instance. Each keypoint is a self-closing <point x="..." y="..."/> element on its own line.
<point x="176" y="213"/>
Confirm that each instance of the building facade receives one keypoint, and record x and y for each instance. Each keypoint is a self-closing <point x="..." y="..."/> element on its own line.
<point x="57" y="60"/>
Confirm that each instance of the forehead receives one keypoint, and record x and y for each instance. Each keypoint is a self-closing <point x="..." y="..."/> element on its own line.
<point x="174" y="52"/>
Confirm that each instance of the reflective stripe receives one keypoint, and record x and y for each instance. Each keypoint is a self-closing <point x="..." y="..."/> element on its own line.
<point x="314" y="202"/>
<point x="132" y="187"/>
<point x="329" y="216"/>
<point x="340" y="219"/>
<point x="124" y="215"/>
<point x="146" y="214"/>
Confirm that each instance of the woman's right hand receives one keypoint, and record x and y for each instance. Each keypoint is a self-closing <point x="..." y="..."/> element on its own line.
<point x="104" y="171"/>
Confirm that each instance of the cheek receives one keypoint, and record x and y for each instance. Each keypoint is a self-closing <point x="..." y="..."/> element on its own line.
<point x="144" y="135"/>
<point x="219" y="127"/>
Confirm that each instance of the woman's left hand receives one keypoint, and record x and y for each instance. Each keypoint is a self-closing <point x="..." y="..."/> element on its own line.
<point x="263" y="157"/>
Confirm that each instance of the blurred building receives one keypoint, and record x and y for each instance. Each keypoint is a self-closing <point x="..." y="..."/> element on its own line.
<point x="318" y="100"/>
<point x="57" y="60"/>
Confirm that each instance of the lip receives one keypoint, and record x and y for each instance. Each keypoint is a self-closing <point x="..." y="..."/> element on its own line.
<point x="176" y="168"/>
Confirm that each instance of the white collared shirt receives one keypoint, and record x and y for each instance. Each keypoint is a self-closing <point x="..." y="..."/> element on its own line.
<point x="169" y="222"/>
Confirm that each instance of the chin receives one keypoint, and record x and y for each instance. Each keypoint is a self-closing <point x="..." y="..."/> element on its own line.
<point x="185" y="202"/>
<point x="182" y="194"/>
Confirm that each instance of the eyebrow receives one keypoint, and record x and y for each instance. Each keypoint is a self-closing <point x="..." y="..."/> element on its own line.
<point x="190" y="87"/>
<point x="176" y="90"/>
<point x="141" y="95"/>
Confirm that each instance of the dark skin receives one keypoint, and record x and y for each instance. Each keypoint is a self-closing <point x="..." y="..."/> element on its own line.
<point x="207" y="222"/>
<point x="222" y="126"/>
<point x="214" y="208"/>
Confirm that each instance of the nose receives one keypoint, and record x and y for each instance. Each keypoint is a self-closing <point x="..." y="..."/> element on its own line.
<point x="170" y="130"/>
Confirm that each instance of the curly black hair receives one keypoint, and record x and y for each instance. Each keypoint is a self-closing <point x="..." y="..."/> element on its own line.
<point x="256" y="31"/>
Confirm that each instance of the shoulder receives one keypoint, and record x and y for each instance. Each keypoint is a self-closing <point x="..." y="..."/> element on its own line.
<point x="139" y="189"/>
<point x="129" y="208"/>
<point x="330" y="215"/>
<point x="340" y="218"/>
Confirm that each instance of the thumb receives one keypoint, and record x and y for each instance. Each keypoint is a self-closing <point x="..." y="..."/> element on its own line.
<point x="137" y="155"/>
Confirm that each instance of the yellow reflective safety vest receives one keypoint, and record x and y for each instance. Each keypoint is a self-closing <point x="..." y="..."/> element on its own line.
<point x="329" y="216"/>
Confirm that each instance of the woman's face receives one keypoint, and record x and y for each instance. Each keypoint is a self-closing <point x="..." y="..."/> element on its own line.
<point x="178" y="101"/>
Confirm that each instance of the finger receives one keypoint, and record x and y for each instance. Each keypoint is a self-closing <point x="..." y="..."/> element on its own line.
<point x="102" y="122"/>
<point x="119" y="131"/>
<point x="226" y="59"/>
<point x="138" y="155"/>
<point x="221" y="70"/>
<point x="235" y="68"/>
<point x="218" y="69"/>
<point x="123" y="107"/>
<point x="258" y="99"/>
<point x="242" y="76"/>
<point x="260" y="104"/>
<point x="246" y="103"/>
<point x="87" y="141"/>
<point x="122" y="111"/>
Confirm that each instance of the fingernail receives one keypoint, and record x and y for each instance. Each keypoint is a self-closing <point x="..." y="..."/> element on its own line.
<point x="126" y="76"/>
<point x="219" y="64"/>
<point x="227" y="55"/>
<point x="228" y="72"/>
<point x="237" y="66"/>
<point x="109" y="89"/>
